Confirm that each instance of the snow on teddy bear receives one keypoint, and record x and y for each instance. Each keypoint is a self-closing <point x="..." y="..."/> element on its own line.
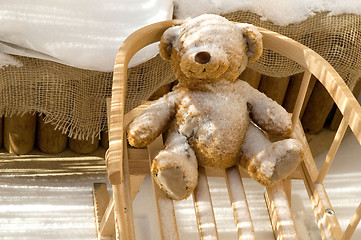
<point x="210" y="113"/>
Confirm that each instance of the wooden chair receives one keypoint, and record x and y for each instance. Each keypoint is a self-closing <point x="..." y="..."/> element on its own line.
<point x="115" y="216"/>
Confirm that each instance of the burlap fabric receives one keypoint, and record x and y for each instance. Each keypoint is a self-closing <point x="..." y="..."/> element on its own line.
<point x="74" y="100"/>
<point x="336" y="38"/>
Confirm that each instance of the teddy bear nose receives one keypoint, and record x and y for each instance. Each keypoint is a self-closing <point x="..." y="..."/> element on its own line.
<point x="202" y="57"/>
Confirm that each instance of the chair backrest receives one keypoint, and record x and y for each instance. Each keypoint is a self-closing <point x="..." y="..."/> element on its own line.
<point x="314" y="64"/>
<point x="311" y="61"/>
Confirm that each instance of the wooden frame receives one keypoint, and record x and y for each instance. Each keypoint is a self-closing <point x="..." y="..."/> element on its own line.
<point x="114" y="216"/>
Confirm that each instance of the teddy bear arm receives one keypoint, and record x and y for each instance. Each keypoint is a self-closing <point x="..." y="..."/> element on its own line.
<point x="268" y="114"/>
<point x="145" y="128"/>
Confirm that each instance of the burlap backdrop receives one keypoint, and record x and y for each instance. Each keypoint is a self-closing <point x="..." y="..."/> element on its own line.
<point x="74" y="99"/>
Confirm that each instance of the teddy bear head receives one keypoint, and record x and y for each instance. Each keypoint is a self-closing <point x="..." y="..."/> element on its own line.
<point x="209" y="48"/>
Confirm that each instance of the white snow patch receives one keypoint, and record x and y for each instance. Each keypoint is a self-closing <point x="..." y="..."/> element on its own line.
<point x="6" y="60"/>
<point x="280" y="12"/>
<point x="85" y="33"/>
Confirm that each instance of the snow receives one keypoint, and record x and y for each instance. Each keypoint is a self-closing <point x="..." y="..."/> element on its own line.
<point x="84" y="33"/>
<point x="6" y="60"/>
<point x="87" y="33"/>
<point x="286" y="12"/>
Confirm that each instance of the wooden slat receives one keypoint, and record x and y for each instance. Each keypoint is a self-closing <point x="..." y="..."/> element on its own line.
<point x="308" y="160"/>
<point x="122" y="227"/>
<point x="327" y="223"/>
<point x="338" y="115"/>
<point x="355" y="220"/>
<point x="204" y="209"/>
<point x="301" y="97"/>
<point x="107" y="225"/>
<point x="166" y="214"/>
<point x="123" y="202"/>
<point x="332" y="151"/>
<point x="237" y="195"/>
<point x="104" y="211"/>
<point x="280" y="213"/>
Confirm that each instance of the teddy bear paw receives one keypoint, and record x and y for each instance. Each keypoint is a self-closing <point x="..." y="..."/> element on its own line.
<point x="276" y="162"/>
<point x="176" y="176"/>
<point x="172" y="182"/>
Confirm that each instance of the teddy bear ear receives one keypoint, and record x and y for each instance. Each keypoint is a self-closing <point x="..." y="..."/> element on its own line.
<point x="253" y="39"/>
<point x="167" y="40"/>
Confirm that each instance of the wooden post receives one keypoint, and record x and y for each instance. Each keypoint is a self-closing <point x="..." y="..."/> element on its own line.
<point x="160" y="92"/>
<point x="104" y="140"/>
<point x="251" y="76"/>
<point x="338" y="116"/>
<point x="292" y="92"/>
<point x="83" y="146"/>
<point x="318" y="107"/>
<point x="19" y="133"/>
<point x="274" y="87"/>
<point x="50" y="140"/>
<point x="1" y="131"/>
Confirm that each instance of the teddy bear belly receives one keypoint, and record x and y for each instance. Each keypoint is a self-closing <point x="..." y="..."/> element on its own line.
<point x="216" y="136"/>
<point x="220" y="148"/>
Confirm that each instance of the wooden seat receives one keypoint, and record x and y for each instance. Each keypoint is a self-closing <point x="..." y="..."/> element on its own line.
<point x="114" y="216"/>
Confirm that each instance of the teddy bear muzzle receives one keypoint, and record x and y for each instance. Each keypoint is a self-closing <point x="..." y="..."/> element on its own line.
<point x="204" y="64"/>
<point x="202" y="57"/>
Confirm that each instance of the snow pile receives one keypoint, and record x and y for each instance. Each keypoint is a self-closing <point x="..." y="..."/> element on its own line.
<point x="280" y="12"/>
<point x="84" y="33"/>
<point x="6" y="60"/>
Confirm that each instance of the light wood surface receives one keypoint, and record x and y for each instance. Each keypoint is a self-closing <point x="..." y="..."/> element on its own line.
<point x="280" y="213"/>
<point x="203" y="207"/>
<point x="315" y="65"/>
<point x="355" y="220"/>
<point x="103" y="211"/>
<point x="237" y="196"/>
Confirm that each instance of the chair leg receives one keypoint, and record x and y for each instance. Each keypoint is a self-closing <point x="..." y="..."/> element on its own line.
<point x="104" y="207"/>
<point x="104" y="211"/>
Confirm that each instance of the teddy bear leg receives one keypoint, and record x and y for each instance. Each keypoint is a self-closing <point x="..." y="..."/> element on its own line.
<point x="175" y="169"/>
<point x="268" y="162"/>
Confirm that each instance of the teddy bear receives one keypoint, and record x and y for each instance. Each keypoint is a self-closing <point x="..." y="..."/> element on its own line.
<point x="213" y="118"/>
